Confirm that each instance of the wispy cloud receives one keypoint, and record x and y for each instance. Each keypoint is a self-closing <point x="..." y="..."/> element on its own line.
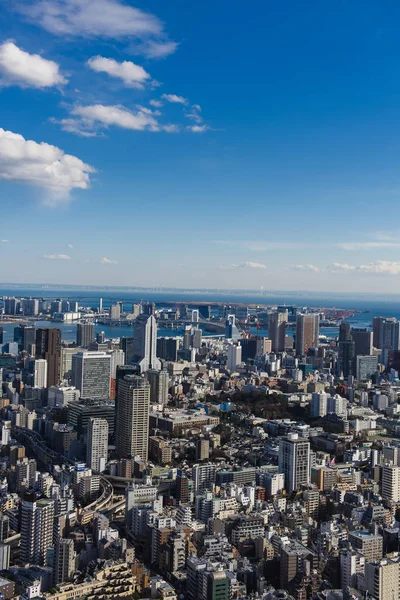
<point x="4" y="241"/>
<point x="69" y="246"/>
<point x="57" y="257"/>
<point x="108" y="19"/>
<point x="244" y="265"/>
<point x="41" y="164"/>
<point x="311" y="268"/>
<point x="156" y="103"/>
<point x="340" y="267"/>
<point x="108" y="261"/>
<point x="174" y="99"/>
<point x="367" y="245"/>
<point x="261" y="246"/>
<point x="18" y="67"/>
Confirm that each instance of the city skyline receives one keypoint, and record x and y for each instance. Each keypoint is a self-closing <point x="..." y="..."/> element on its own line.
<point x="260" y="161"/>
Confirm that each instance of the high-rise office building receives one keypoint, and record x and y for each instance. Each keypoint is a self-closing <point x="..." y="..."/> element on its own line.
<point x="11" y="305"/>
<point x="84" y="334"/>
<point x="48" y="346"/>
<point x="64" y="563"/>
<point x="363" y="339"/>
<point x="30" y="307"/>
<point x="167" y="348"/>
<point x="234" y="356"/>
<point x="159" y="385"/>
<point x="294" y="461"/>
<point x="37" y="521"/>
<point x="40" y="373"/>
<point x="91" y="374"/>
<point x="115" y="311"/>
<point x="145" y="343"/>
<point x="391" y="483"/>
<point x="307" y="333"/>
<point x="277" y="330"/>
<point x="366" y="367"/>
<point x="149" y="308"/>
<point x="117" y="360"/>
<point x="231" y="331"/>
<point x="24" y="335"/>
<point x="1" y="335"/>
<point x="97" y="444"/>
<point x="126" y="344"/>
<point x="132" y="426"/>
<point x="346" y="357"/>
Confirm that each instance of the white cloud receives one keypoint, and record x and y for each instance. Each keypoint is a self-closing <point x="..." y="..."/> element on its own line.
<point x="69" y="246"/>
<point x="27" y="70"/>
<point x="197" y="128"/>
<point x="131" y="74"/>
<point x="367" y="245"/>
<point x="99" y="115"/>
<point x="108" y="19"/>
<point x="174" y="99"/>
<point x="154" y="49"/>
<point x="77" y="126"/>
<point x="381" y="266"/>
<point x="156" y="103"/>
<point x="107" y="261"/>
<point x="340" y="267"/>
<point x="261" y="246"/>
<point x="41" y="164"/>
<point x="4" y="241"/>
<point x="57" y="257"/>
<point x="244" y="265"/>
<point x="311" y="268"/>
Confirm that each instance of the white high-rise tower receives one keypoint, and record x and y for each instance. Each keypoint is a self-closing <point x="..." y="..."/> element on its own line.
<point x="145" y="343"/>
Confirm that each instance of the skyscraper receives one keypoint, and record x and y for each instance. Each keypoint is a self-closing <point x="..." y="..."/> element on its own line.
<point x="234" y="356"/>
<point x="24" y="335"/>
<point x="363" y="341"/>
<point x="64" y="560"/>
<point x="40" y="373"/>
<point x="294" y="461"/>
<point x="48" y="346"/>
<point x="91" y="374"/>
<point x="277" y="330"/>
<point x="1" y="334"/>
<point x="145" y="343"/>
<point x="37" y="520"/>
<point x="377" y="331"/>
<point x="307" y="332"/>
<point x="159" y="383"/>
<point x="132" y="428"/>
<point x="97" y="444"/>
<point x="167" y="348"/>
<point x="346" y="358"/>
<point x="84" y="334"/>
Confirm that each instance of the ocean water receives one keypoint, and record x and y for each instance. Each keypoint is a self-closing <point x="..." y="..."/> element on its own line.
<point x="367" y="306"/>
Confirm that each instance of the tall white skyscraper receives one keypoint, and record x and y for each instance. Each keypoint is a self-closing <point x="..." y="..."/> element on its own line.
<point x="91" y="374"/>
<point x="234" y="356"/>
<point x="117" y="359"/>
<point x="391" y="483"/>
<point x="40" y="377"/>
<point x="97" y="444"/>
<point x="145" y="343"/>
<point x="159" y="384"/>
<point x="294" y="461"/>
<point x="132" y="423"/>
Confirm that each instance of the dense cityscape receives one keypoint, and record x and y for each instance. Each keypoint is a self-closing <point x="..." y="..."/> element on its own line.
<point x="247" y="457"/>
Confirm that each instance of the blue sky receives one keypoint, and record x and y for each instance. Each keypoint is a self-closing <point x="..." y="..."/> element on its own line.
<point x="202" y="145"/>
